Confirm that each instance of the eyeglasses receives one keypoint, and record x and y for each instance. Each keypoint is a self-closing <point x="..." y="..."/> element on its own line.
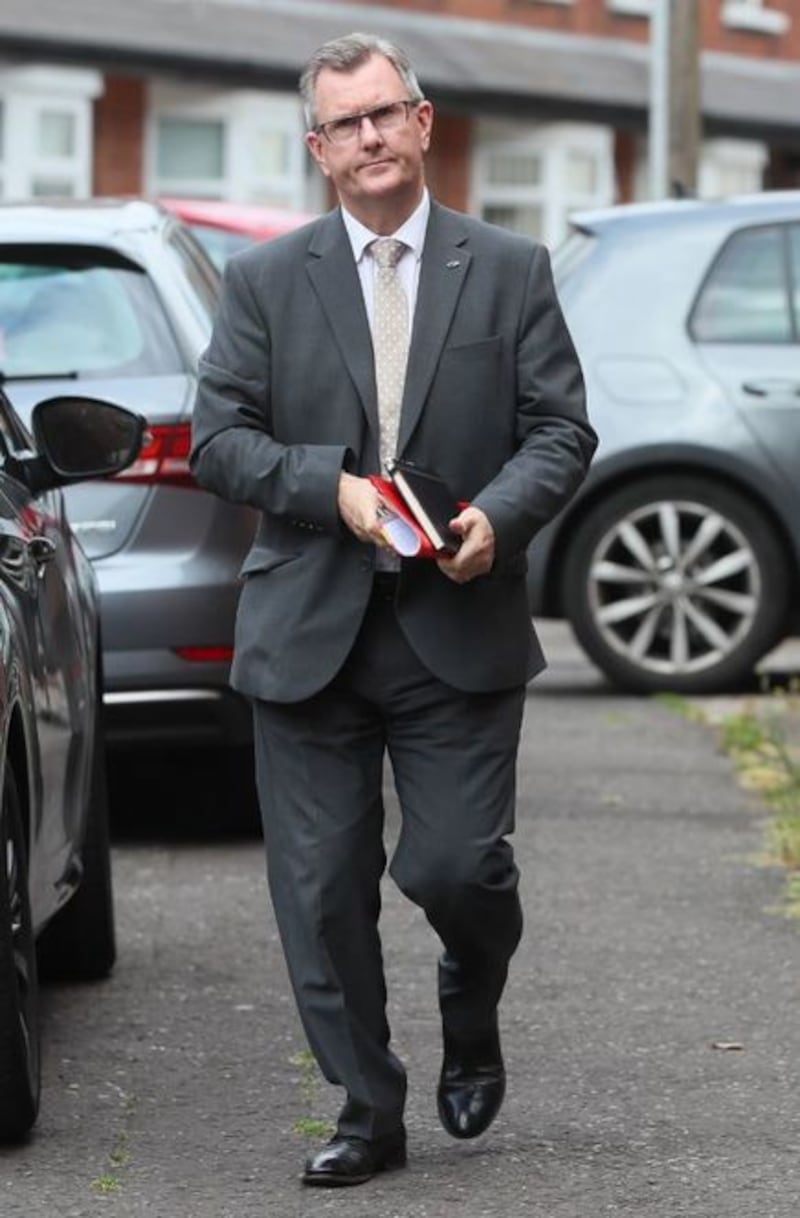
<point x="386" y="118"/>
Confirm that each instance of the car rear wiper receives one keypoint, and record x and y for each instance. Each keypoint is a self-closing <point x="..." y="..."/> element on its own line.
<point x="6" y="378"/>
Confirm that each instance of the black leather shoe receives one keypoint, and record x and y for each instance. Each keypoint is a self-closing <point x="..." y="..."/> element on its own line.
<point x="347" y="1160"/>
<point x="471" y="1086"/>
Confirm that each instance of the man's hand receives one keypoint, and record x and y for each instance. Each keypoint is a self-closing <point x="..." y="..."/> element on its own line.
<point x="359" y="502"/>
<point x="475" y="555"/>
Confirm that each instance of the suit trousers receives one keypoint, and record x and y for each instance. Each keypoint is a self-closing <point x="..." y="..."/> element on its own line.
<point x="319" y="766"/>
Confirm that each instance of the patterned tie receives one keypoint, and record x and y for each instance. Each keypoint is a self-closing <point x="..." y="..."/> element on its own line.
<point x="390" y="339"/>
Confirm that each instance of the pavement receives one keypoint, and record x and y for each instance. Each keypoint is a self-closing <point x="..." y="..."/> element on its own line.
<point x="650" y="1023"/>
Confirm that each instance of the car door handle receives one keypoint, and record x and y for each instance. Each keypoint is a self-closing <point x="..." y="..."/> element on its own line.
<point x="42" y="551"/>
<point x="766" y="389"/>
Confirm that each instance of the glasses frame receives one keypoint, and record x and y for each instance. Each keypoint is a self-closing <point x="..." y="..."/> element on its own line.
<point x="408" y="103"/>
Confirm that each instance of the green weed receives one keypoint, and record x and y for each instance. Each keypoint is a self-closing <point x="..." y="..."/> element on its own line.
<point x="308" y="1125"/>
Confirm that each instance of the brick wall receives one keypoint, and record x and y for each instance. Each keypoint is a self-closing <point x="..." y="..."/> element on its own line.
<point x="119" y="122"/>
<point x="448" y="162"/>
<point x="595" y="17"/>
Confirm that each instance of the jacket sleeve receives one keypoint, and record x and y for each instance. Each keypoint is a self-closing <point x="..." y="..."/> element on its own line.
<point x="233" y="452"/>
<point x="555" y="440"/>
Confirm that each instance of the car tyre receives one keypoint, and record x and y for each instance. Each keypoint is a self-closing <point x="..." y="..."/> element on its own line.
<point x="20" y="1077"/>
<point x="80" y="942"/>
<point x="676" y="584"/>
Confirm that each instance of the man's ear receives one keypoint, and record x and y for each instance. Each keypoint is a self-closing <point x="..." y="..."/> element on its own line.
<point x="425" y="120"/>
<point x="317" y="149"/>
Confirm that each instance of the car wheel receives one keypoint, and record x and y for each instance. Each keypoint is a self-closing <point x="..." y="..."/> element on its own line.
<point x="676" y="584"/>
<point x="80" y="942"/>
<point x="19" y="1030"/>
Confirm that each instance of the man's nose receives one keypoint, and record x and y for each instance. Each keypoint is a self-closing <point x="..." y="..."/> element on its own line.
<point x="368" y="133"/>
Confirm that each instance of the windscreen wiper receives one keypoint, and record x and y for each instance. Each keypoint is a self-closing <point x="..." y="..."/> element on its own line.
<point x="6" y="378"/>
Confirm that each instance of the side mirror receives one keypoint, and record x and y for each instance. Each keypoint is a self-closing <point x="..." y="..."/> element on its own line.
<point x="86" y="438"/>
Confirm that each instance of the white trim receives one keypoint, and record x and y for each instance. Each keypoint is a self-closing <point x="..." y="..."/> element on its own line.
<point x="631" y="8"/>
<point x="745" y="15"/>
<point x="44" y="79"/>
<point x="27" y="94"/>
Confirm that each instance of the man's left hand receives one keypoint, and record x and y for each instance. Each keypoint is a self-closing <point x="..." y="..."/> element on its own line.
<point x="475" y="555"/>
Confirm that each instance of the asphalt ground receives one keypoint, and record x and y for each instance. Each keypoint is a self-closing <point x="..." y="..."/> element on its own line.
<point x="650" y="1024"/>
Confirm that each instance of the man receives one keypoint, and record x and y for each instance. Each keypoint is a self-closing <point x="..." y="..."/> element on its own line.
<point x="334" y="351"/>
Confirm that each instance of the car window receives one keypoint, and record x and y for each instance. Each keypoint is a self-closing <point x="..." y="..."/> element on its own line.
<point x="219" y="244"/>
<point x="745" y="297"/>
<point x="80" y="312"/>
<point x="196" y="268"/>
<point x="794" y="257"/>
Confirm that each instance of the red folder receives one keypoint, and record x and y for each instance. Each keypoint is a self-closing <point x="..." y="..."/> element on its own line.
<point x="401" y="529"/>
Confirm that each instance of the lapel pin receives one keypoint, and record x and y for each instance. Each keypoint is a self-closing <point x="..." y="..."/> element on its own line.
<point x="454" y="263"/>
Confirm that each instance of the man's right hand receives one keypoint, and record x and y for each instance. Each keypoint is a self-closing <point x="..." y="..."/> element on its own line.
<point x="359" y="502"/>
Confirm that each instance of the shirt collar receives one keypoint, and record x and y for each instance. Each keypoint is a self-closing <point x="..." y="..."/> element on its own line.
<point x="411" y="233"/>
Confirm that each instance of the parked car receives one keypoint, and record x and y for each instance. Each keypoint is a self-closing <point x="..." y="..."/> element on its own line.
<point x="117" y="299"/>
<point x="55" y="875"/>
<point x="678" y="564"/>
<point x="224" y="228"/>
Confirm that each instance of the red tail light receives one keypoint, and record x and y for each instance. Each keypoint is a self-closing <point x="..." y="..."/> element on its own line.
<point x="164" y="459"/>
<point x="213" y="655"/>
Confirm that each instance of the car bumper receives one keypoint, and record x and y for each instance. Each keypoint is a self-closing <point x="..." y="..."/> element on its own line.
<point x="189" y="715"/>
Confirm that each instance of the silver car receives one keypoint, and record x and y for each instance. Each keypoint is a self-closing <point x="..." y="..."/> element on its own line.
<point x="56" y="909"/>
<point x="678" y="564"/>
<point x="116" y="300"/>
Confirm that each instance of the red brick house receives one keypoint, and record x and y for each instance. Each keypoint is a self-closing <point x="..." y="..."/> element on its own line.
<point x="541" y="104"/>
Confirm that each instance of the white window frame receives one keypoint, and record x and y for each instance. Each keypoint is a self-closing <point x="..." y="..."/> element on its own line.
<point x="244" y="114"/>
<point x="716" y="157"/>
<point x="552" y="143"/>
<point x="26" y="94"/>
<point x="631" y="8"/>
<point x="747" y="158"/>
<point x="754" y="15"/>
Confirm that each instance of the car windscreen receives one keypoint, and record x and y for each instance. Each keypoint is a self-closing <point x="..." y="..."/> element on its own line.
<point x="80" y="312"/>
<point x="219" y="243"/>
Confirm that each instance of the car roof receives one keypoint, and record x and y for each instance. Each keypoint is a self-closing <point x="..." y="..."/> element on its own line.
<point x="247" y="218"/>
<point x="101" y="219"/>
<point x="754" y="209"/>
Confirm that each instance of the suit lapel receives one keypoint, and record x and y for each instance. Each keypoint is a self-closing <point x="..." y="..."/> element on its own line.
<point x="445" y="263"/>
<point x="334" y="276"/>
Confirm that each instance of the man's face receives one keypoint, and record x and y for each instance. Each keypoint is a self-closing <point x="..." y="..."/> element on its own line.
<point x="371" y="168"/>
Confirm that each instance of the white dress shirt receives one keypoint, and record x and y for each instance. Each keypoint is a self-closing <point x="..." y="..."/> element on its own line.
<point x="411" y="233"/>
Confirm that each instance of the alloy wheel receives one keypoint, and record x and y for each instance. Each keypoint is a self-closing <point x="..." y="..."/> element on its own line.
<point x="674" y="587"/>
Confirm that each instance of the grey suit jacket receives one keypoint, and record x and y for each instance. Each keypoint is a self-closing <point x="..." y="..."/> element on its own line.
<point x="494" y="402"/>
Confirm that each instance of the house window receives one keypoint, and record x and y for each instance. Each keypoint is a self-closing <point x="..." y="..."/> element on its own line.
<point x="529" y="178"/>
<point x="754" y="15"/>
<point x="731" y="167"/>
<point x="238" y="144"/>
<point x="46" y="131"/>
<point x="190" y="155"/>
<point x="57" y="134"/>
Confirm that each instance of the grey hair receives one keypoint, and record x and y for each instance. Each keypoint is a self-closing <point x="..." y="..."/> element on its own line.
<point x="344" y="55"/>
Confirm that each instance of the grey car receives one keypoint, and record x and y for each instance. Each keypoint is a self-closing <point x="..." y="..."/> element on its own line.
<point x="678" y="564"/>
<point x="56" y="909"/>
<point x="116" y="299"/>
